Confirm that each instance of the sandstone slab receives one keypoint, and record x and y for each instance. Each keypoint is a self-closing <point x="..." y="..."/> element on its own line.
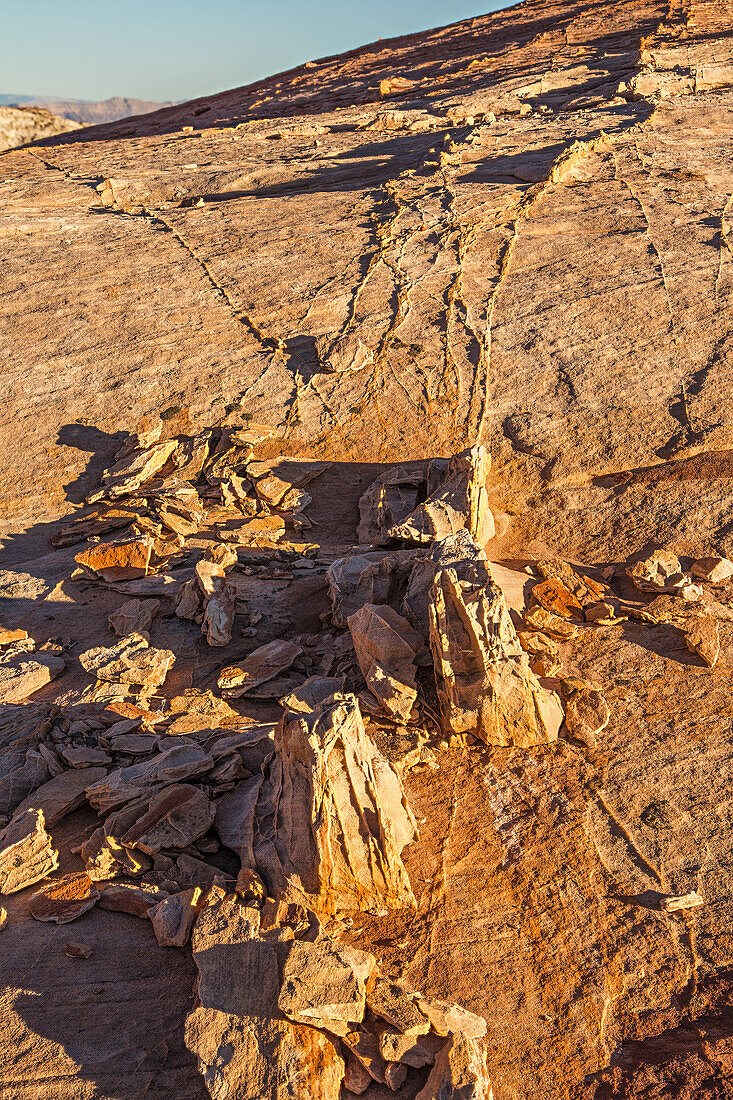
<point x="26" y="852"/>
<point x="65" y="899"/>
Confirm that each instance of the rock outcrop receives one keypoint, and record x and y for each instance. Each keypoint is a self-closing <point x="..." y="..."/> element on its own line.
<point x="23" y="125"/>
<point x="485" y="684"/>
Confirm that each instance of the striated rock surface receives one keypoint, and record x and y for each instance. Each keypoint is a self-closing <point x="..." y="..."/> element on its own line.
<point x="332" y="815"/>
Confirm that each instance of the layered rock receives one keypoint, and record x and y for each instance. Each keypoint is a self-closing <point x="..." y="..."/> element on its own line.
<point x="424" y="508"/>
<point x="243" y="1045"/>
<point x="332" y="817"/>
<point x="485" y="684"/>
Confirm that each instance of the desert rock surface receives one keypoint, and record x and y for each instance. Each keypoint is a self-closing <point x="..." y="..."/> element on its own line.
<point x="242" y="338"/>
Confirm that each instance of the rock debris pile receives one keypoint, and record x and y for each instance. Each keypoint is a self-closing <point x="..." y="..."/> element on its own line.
<point x="260" y="839"/>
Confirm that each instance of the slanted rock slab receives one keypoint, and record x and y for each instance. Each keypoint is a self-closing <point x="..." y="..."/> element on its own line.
<point x="26" y="852"/>
<point x="65" y="899"/>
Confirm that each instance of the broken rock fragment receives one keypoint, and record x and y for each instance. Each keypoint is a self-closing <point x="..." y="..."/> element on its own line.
<point x="65" y="899"/>
<point x="245" y="1049"/>
<point x="702" y="636"/>
<point x="130" y="661"/>
<point x="584" y="589"/>
<point x="22" y="675"/>
<point x="394" y="1004"/>
<point x="677" y="903"/>
<point x="452" y="494"/>
<point x="26" y="852"/>
<point x="136" y="900"/>
<point x="79" y="950"/>
<point x="118" y="561"/>
<point x="173" y="918"/>
<point x="62" y="794"/>
<point x="262" y="665"/>
<point x="713" y="570"/>
<point x="556" y="598"/>
<point x="134" y="617"/>
<point x="447" y="1018"/>
<point x="660" y="572"/>
<point x="386" y="646"/>
<point x="374" y="578"/>
<point x="460" y="1072"/>
<point x="365" y="1047"/>
<point x="411" y="1050"/>
<point x="134" y="470"/>
<point x="176" y="816"/>
<point x="172" y="766"/>
<point x="486" y="686"/>
<point x="332" y="817"/>
<point x="325" y="985"/>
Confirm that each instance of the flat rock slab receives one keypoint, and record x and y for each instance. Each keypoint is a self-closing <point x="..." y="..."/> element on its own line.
<point x="65" y="899"/>
<point x="63" y="793"/>
<point x="23" y="675"/>
<point x="172" y="766"/>
<point x="324" y="985"/>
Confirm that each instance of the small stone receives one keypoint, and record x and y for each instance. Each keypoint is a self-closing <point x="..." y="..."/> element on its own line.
<point x="602" y="612"/>
<point x="65" y="899"/>
<point x="713" y="570"/>
<point x="3" y="918"/>
<point x="83" y="756"/>
<point x="134" y="617"/>
<point x="8" y="637"/>
<point x="78" y="950"/>
<point x="703" y="637"/>
<point x="680" y="902"/>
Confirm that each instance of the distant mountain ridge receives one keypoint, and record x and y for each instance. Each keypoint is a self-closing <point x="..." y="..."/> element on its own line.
<point x="86" y="112"/>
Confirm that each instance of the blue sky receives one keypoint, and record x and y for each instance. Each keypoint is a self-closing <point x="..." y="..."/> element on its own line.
<point x="179" y="49"/>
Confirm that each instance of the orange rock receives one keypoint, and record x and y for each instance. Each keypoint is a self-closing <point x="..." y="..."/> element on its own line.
<point x="65" y="899"/>
<point x="118" y="561"/>
<point x="556" y="598"/>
